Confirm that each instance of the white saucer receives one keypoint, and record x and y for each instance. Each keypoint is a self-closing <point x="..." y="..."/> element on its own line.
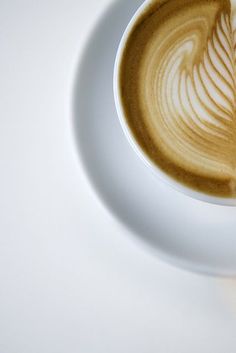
<point x="186" y="232"/>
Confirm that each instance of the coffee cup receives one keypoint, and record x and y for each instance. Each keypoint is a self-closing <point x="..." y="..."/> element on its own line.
<point x="157" y="170"/>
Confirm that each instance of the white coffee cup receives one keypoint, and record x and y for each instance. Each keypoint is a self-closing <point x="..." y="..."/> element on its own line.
<point x="130" y="136"/>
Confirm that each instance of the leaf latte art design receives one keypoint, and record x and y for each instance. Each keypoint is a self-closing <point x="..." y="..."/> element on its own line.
<point x="178" y="89"/>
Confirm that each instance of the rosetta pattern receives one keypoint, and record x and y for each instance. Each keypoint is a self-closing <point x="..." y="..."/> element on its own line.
<point x="196" y="99"/>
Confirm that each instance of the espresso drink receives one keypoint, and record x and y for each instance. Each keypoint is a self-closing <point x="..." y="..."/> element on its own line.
<point x="177" y="82"/>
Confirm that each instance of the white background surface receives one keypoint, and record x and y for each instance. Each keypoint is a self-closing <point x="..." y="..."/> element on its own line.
<point x="72" y="279"/>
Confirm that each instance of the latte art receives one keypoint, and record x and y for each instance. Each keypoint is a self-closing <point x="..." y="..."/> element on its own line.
<point x="178" y="91"/>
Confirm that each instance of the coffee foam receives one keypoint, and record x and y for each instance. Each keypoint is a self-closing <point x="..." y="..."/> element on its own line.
<point x="178" y="89"/>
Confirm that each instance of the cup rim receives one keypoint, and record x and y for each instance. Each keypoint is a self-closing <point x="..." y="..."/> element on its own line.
<point x="154" y="168"/>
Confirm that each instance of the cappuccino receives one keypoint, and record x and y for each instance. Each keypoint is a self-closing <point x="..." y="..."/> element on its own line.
<point x="177" y="84"/>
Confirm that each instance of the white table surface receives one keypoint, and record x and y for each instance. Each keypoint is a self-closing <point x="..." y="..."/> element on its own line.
<point x="72" y="279"/>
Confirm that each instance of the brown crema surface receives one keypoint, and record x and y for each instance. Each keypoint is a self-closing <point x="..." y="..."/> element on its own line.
<point x="178" y="91"/>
